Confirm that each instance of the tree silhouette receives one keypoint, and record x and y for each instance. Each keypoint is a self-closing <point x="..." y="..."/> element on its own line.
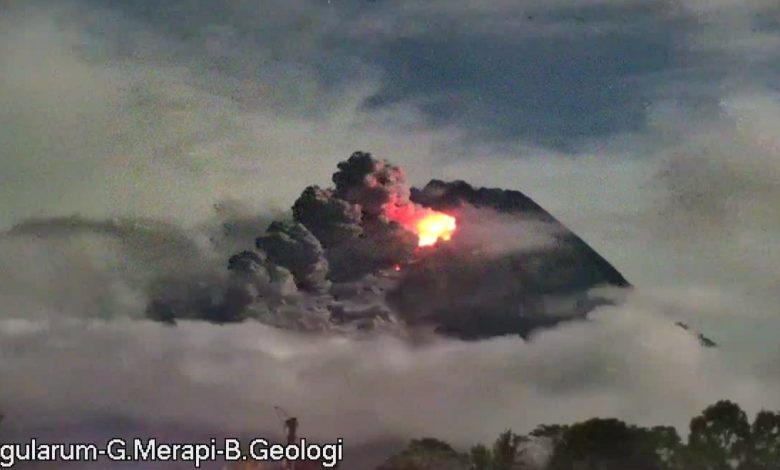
<point x="611" y="444"/>
<point x="764" y="448"/>
<point x="666" y="446"/>
<point x="481" y="458"/>
<point x="719" y="438"/>
<point x="507" y="453"/>
<point x="553" y="433"/>
<point x="427" y="454"/>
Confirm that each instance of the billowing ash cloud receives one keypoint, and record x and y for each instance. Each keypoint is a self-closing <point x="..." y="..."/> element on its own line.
<point x="333" y="221"/>
<point x="370" y="183"/>
<point x="357" y="220"/>
<point x="292" y="246"/>
<point x="345" y="235"/>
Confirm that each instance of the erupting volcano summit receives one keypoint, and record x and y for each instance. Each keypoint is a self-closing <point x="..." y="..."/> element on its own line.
<point x="370" y="252"/>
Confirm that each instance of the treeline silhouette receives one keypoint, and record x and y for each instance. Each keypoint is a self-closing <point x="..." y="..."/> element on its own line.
<point x="720" y="438"/>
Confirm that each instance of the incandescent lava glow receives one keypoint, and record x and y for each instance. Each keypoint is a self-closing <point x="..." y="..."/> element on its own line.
<point x="429" y="225"/>
<point x="433" y="227"/>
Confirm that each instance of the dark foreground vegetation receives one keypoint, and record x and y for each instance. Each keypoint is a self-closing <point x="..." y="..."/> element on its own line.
<point x="720" y="438"/>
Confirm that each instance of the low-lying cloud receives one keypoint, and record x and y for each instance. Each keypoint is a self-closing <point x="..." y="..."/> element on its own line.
<point x="199" y="379"/>
<point x="77" y="364"/>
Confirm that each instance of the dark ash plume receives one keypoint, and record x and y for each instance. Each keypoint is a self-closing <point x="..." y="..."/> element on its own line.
<point x="292" y="246"/>
<point x="372" y="184"/>
<point x="332" y="220"/>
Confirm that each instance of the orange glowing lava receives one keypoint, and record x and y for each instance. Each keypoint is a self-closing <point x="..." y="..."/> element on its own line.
<point x="433" y="227"/>
<point x="429" y="225"/>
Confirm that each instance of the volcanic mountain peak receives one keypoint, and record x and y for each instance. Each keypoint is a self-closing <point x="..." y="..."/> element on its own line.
<point x="373" y="253"/>
<point x="440" y="195"/>
<point x="518" y="289"/>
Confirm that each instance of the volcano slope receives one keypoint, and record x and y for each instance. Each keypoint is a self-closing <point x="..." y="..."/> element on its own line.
<point x="540" y="274"/>
<point x="371" y="253"/>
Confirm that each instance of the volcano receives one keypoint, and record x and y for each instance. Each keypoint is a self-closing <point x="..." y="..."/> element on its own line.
<point x="371" y="253"/>
<point x="513" y="291"/>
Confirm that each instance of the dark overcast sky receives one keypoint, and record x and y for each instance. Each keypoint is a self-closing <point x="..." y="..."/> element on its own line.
<point x="554" y="73"/>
